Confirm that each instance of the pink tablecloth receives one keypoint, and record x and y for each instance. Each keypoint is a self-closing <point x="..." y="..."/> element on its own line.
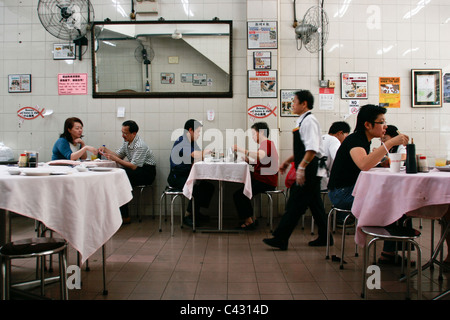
<point x="382" y="197"/>
<point x="224" y="171"/>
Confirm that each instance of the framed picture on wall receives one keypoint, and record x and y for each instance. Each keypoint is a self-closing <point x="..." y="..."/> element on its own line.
<point x="19" y="83"/>
<point x="262" y="35"/>
<point x="354" y="85"/>
<point x="286" y="102"/>
<point x="262" y="84"/>
<point x="64" y="51"/>
<point x="262" y="60"/>
<point x="426" y="88"/>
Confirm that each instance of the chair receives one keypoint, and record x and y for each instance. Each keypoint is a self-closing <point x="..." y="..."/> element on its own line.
<point x="142" y="187"/>
<point x="332" y="213"/>
<point x="401" y="234"/>
<point x="270" y="195"/>
<point x="32" y="248"/>
<point x="173" y="193"/>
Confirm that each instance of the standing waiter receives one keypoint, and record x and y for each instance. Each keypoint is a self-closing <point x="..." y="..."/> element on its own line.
<point x="306" y="191"/>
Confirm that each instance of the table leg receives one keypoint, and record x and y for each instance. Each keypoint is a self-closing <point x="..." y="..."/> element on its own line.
<point x="220" y="204"/>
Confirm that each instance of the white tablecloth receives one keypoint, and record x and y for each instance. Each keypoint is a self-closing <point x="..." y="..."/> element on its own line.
<point x="382" y="197"/>
<point x="83" y="207"/>
<point x="223" y="171"/>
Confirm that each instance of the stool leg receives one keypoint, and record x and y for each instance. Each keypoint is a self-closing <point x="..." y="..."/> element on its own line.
<point x="171" y="214"/>
<point x="327" y="255"/>
<point x="270" y="211"/>
<point x="153" y="202"/>
<point x="42" y="275"/>
<point x="163" y="196"/>
<point x="5" y="283"/>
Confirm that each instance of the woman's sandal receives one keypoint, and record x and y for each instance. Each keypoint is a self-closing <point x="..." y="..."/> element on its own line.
<point x="250" y="226"/>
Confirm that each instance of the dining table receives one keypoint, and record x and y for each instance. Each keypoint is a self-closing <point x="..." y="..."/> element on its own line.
<point x="82" y="207"/>
<point x="230" y="171"/>
<point x="382" y="197"/>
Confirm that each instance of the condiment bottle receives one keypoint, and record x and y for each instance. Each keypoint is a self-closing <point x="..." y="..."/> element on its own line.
<point x="411" y="165"/>
<point x="423" y="165"/>
<point x="23" y="160"/>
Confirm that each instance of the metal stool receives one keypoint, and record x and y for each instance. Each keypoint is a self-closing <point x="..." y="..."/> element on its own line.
<point x="269" y="195"/>
<point x="173" y="193"/>
<point x="138" y="200"/>
<point x="402" y="234"/>
<point x="32" y="248"/>
<point x="333" y="212"/>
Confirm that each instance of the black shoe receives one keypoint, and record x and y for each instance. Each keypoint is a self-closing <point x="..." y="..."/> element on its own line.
<point x="319" y="242"/>
<point x="187" y="220"/>
<point x="274" y="242"/>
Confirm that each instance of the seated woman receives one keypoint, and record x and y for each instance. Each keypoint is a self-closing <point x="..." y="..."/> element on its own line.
<point x="264" y="176"/>
<point x="70" y="146"/>
<point x="354" y="156"/>
<point x="391" y="132"/>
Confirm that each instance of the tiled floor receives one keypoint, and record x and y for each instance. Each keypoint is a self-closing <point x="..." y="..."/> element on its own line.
<point x="143" y="263"/>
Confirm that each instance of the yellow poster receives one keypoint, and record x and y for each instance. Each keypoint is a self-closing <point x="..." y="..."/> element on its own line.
<point x="389" y="92"/>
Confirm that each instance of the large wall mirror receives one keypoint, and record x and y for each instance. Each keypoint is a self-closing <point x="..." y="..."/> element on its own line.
<point x="162" y="59"/>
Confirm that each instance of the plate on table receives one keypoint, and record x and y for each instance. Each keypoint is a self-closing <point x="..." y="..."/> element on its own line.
<point x="443" y="168"/>
<point x="100" y="169"/>
<point x="36" y="172"/>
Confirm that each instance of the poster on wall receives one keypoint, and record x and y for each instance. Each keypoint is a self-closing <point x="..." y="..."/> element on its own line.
<point x="262" y="60"/>
<point x="389" y="92"/>
<point x="446" y="85"/>
<point x="326" y="99"/>
<point x="19" y="83"/>
<point x="262" y="35"/>
<point x="286" y="101"/>
<point x="72" y="83"/>
<point x="354" y="85"/>
<point x="262" y="84"/>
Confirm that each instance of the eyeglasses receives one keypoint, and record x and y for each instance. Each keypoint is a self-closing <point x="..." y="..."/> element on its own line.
<point x="381" y="122"/>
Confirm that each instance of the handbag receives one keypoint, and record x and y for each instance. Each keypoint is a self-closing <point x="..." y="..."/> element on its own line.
<point x="290" y="177"/>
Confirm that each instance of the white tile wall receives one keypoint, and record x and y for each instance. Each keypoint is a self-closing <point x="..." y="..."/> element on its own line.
<point x="374" y="38"/>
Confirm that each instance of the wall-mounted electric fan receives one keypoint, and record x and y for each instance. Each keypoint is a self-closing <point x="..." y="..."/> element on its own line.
<point x="68" y="20"/>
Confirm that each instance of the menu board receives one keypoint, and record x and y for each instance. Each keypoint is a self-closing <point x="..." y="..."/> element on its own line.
<point x="72" y="83"/>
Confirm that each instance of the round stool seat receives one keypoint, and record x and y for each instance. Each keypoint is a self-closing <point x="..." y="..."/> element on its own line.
<point x="33" y="246"/>
<point x="394" y="232"/>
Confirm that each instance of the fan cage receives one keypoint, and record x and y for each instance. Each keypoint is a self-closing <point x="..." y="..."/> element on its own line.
<point x="66" y="19"/>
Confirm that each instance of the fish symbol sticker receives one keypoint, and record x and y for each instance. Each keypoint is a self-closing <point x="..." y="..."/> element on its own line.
<point x="30" y="113"/>
<point x="260" y="111"/>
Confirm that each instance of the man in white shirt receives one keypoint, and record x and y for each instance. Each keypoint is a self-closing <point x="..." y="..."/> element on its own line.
<point x="305" y="193"/>
<point x="331" y="142"/>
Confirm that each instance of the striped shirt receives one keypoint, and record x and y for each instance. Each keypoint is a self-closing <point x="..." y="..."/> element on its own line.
<point x="137" y="152"/>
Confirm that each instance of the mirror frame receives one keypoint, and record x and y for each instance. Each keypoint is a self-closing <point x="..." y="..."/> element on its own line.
<point x="225" y="94"/>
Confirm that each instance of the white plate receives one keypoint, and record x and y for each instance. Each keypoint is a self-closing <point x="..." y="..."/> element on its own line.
<point x="36" y="172"/>
<point x="101" y="169"/>
<point x="443" y="168"/>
